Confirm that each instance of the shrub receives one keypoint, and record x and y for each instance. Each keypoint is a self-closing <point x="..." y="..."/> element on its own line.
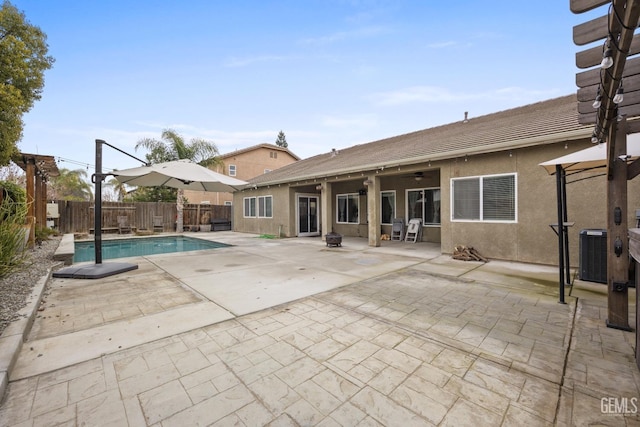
<point x="15" y="196"/>
<point x="44" y="233"/>
<point x="13" y="213"/>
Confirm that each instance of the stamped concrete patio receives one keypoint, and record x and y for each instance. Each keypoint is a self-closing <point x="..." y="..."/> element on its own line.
<point x="290" y="332"/>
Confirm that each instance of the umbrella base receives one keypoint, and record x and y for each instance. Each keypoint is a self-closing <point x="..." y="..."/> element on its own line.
<point x="94" y="271"/>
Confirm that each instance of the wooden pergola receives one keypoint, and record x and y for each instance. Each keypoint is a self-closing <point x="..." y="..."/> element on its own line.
<point x="605" y="103"/>
<point x="39" y="169"/>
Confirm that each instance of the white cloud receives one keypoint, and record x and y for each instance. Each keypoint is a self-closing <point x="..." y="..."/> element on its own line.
<point x="434" y="94"/>
<point x="361" y="121"/>
<point x="442" y="45"/>
<point x="421" y="94"/>
<point x="360" y="33"/>
<point x="249" y="60"/>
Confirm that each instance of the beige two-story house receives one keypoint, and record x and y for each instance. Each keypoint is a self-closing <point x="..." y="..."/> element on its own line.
<point x="244" y="164"/>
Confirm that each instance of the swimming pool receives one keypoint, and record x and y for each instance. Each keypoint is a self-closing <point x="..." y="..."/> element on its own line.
<point x="122" y="248"/>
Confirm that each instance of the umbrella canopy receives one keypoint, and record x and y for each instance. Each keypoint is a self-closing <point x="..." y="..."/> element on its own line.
<point x="183" y="174"/>
<point x="591" y="158"/>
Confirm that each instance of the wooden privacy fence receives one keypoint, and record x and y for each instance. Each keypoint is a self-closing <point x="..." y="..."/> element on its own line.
<point x="78" y="217"/>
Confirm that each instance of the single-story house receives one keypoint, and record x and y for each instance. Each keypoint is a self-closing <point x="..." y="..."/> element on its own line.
<point x="476" y="182"/>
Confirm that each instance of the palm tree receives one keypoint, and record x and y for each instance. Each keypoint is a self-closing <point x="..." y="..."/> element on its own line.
<point x="173" y="147"/>
<point x="71" y="185"/>
<point x="118" y="188"/>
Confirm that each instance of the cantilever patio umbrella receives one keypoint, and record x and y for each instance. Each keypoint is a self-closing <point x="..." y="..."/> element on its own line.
<point x="183" y="174"/>
<point x="180" y="174"/>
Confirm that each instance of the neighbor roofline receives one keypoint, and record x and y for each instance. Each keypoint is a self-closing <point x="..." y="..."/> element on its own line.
<point x="255" y="147"/>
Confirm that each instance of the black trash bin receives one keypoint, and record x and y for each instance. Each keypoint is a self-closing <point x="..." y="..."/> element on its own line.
<point x="593" y="255"/>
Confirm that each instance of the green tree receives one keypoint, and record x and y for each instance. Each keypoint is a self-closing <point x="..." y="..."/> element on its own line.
<point x="172" y="146"/>
<point x="23" y="61"/>
<point x="281" y="141"/>
<point x="71" y="185"/>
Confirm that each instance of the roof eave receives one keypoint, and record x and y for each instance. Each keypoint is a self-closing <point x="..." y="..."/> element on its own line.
<point x="502" y="146"/>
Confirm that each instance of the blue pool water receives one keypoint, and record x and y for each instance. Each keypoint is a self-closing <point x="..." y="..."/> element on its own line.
<point x="122" y="248"/>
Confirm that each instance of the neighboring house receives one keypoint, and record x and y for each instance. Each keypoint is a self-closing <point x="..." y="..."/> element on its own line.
<point x="476" y="182"/>
<point x="245" y="164"/>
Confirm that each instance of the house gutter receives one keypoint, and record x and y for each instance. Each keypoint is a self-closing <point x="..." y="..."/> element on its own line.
<point x="510" y="145"/>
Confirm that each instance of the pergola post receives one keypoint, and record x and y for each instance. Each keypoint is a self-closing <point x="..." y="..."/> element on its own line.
<point x="31" y="190"/>
<point x="617" y="231"/>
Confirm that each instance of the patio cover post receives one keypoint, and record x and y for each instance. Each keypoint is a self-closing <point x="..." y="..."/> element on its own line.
<point x="373" y="210"/>
<point x="326" y="209"/>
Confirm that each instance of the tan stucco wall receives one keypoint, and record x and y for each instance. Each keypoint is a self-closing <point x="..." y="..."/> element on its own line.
<point x="279" y="223"/>
<point x="531" y="239"/>
<point x="249" y="164"/>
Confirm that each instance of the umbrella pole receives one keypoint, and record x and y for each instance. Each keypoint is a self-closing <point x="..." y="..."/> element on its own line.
<point x="98" y="270"/>
<point x="565" y="218"/>
<point x="97" y="221"/>
<point x="560" y="232"/>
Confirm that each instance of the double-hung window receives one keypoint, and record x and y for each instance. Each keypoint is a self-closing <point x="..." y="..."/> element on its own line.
<point x="424" y="203"/>
<point x="490" y="198"/>
<point x="265" y="206"/>
<point x="348" y="207"/>
<point x="249" y="207"/>
<point x="232" y="170"/>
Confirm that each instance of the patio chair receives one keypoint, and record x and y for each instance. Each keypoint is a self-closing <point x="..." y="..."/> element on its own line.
<point x="414" y="230"/>
<point x="123" y="224"/>
<point x="397" y="229"/>
<point x="157" y="224"/>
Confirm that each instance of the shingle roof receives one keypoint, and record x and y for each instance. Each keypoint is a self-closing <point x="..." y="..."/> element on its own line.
<point x="535" y="124"/>
<point x="255" y="147"/>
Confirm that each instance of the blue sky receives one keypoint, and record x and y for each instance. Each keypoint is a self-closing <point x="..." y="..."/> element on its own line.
<point x="330" y="73"/>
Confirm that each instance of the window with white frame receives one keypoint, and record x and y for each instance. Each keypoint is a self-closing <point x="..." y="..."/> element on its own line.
<point x="424" y="203"/>
<point x="484" y="198"/>
<point x="261" y="207"/>
<point x="249" y="207"/>
<point x="348" y="206"/>
<point x="228" y="203"/>
<point x="232" y="170"/>
<point x="388" y="208"/>
<point x="265" y="206"/>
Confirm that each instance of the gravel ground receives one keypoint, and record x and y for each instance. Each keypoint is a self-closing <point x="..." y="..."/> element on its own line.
<point x="15" y="288"/>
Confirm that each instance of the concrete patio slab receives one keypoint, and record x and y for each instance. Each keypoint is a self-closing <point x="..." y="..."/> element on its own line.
<point x="333" y="337"/>
<point x="49" y="354"/>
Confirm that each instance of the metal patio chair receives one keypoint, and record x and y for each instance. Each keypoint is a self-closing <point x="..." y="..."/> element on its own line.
<point x="414" y="230"/>
<point x="123" y="224"/>
<point x="157" y="224"/>
<point x="397" y="229"/>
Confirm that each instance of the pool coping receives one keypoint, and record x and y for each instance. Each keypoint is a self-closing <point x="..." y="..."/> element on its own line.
<point x="212" y="244"/>
<point x="15" y="334"/>
<point x="66" y="249"/>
